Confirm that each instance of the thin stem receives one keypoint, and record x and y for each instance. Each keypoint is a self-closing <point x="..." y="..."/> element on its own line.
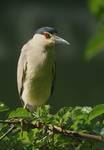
<point x="6" y="133"/>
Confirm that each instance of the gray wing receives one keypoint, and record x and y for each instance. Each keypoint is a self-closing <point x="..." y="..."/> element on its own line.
<point x="54" y="77"/>
<point x="21" y="72"/>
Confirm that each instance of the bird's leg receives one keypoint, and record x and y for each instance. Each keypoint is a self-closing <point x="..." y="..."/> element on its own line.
<point x="25" y="105"/>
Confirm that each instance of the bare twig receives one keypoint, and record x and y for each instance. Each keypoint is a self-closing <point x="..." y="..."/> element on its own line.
<point x="79" y="134"/>
<point x="6" y="133"/>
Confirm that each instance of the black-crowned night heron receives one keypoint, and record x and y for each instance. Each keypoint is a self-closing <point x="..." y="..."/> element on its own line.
<point x="36" y="67"/>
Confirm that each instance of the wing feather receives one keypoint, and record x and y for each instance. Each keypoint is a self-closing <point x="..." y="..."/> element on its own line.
<point x="21" y="72"/>
<point x="54" y="77"/>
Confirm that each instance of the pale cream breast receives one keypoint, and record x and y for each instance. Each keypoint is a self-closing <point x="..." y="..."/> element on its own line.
<point x="39" y="78"/>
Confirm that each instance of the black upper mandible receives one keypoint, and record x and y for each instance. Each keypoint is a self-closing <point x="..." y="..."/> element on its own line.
<point x="46" y="29"/>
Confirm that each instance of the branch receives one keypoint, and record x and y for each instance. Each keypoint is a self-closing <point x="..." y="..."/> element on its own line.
<point x="6" y="133"/>
<point x="53" y="128"/>
<point x="79" y="134"/>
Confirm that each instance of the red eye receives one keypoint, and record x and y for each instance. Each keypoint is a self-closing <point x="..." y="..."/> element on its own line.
<point x="47" y="35"/>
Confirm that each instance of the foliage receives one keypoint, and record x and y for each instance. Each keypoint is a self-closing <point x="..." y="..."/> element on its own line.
<point x="96" y="42"/>
<point x="97" y="7"/>
<point x="71" y="128"/>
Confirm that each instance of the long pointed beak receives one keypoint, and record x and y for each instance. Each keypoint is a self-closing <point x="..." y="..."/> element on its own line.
<point x="60" y="40"/>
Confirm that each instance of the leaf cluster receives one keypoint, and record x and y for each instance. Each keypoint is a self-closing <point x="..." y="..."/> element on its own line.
<point x="21" y="130"/>
<point x="96" y="42"/>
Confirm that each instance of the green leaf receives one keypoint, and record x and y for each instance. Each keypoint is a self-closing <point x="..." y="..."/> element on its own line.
<point x="63" y="116"/>
<point x="86" y="109"/>
<point x="95" y="46"/>
<point x="3" y="107"/>
<point x="43" y="110"/>
<point x="96" y="6"/>
<point x="20" y="112"/>
<point x="96" y="111"/>
<point x="79" y="116"/>
<point x="43" y="114"/>
<point x="24" y="137"/>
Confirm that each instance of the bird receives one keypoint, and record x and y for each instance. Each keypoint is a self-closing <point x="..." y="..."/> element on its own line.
<point x="36" y="67"/>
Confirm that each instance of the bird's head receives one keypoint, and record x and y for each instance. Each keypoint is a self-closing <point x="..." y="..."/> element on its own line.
<point x="48" y="36"/>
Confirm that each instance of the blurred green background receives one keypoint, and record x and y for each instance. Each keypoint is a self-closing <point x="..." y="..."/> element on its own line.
<point x="78" y="80"/>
